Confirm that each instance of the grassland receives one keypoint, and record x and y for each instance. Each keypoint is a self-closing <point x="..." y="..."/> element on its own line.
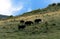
<point x="9" y="27"/>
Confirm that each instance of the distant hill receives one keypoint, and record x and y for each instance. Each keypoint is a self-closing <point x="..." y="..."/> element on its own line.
<point x="3" y="16"/>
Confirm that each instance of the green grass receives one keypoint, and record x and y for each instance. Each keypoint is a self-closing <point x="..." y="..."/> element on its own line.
<point x="30" y="32"/>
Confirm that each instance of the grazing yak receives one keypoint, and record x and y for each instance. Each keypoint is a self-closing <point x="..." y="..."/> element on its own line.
<point x="21" y="21"/>
<point x="21" y="27"/>
<point x="28" y="22"/>
<point x="37" y="20"/>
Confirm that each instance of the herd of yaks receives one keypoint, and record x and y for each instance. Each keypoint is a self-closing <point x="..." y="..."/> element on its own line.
<point x="28" y="23"/>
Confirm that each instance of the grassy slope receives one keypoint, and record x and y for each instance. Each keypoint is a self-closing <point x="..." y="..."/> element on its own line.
<point x="8" y="28"/>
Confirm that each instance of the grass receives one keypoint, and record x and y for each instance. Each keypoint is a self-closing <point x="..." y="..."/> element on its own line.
<point x="30" y="32"/>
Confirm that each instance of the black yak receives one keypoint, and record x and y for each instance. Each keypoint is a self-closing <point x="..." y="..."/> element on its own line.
<point x="28" y="22"/>
<point x="37" y="20"/>
<point x="21" y="21"/>
<point x="21" y="27"/>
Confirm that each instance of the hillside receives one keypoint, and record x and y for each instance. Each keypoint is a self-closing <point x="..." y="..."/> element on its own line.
<point x="49" y="28"/>
<point x="51" y="8"/>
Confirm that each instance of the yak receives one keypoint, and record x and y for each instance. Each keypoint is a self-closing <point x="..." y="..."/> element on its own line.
<point x="21" y="27"/>
<point x="28" y="22"/>
<point x="21" y="21"/>
<point x="37" y="20"/>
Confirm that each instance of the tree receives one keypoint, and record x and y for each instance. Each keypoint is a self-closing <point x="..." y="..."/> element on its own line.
<point x="58" y="4"/>
<point x="53" y="4"/>
<point x="10" y="16"/>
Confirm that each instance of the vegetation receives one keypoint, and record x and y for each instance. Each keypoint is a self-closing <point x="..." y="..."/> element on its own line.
<point x="48" y="28"/>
